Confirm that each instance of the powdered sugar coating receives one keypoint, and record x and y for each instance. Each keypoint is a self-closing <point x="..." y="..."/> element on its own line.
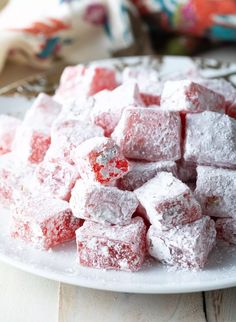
<point x="210" y="139"/>
<point x="226" y="229"/>
<point x="216" y="191"/>
<point x="44" y="222"/>
<point x="168" y="202"/>
<point x="100" y="159"/>
<point x="187" y="96"/>
<point x="112" y="247"/>
<point x="109" y="105"/>
<point x="8" y="128"/>
<point x="57" y="178"/>
<point x="102" y="204"/>
<point x="141" y="172"/>
<point x="185" y="246"/>
<point x="149" y="134"/>
<point x="67" y="135"/>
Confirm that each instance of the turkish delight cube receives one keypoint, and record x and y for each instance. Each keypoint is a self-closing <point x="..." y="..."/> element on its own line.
<point x="57" y="178"/>
<point x="149" y="134"/>
<point x="109" y="105"/>
<point x="8" y="128"/>
<point x="42" y="113"/>
<point x="67" y="135"/>
<point x="141" y="172"/>
<point x="102" y="204"/>
<point x="100" y="159"/>
<point x="44" y="222"/>
<point x="226" y="229"/>
<point x="81" y="80"/>
<point x="186" y="246"/>
<point x="112" y="246"/>
<point x="210" y="139"/>
<point x="30" y="145"/>
<point x="216" y="191"/>
<point x="187" y="96"/>
<point x="168" y="201"/>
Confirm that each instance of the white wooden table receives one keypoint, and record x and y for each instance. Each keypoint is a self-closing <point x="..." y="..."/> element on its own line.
<point x="28" y="298"/>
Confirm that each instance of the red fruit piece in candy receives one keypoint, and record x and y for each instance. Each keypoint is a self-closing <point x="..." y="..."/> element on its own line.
<point x="100" y="159"/>
<point x="216" y="191"/>
<point x="149" y="134"/>
<point x="168" y="202"/>
<point x="109" y="105"/>
<point x="56" y="178"/>
<point x="226" y="229"/>
<point x="187" y="96"/>
<point x="66" y="137"/>
<point x="186" y="246"/>
<point x="8" y="128"/>
<point x="141" y="172"/>
<point x="102" y="204"/>
<point x="112" y="246"/>
<point x="44" y="222"/>
<point x="210" y="139"/>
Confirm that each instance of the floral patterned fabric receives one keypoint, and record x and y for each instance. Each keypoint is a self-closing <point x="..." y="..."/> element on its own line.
<point x="35" y="32"/>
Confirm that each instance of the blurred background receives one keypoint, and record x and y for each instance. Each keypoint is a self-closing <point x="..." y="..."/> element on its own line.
<point x="36" y="35"/>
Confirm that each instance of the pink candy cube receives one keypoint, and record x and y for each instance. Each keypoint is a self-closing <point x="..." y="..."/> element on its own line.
<point x="226" y="229"/>
<point x="57" y="178"/>
<point x="168" y="202"/>
<point x="185" y="246"/>
<point x="33" y="137"/>
<point x="81" y="80"/>
<point x="102" y="204"/>
<point x="100" y="159"/>
<point x="44" y="222"/>
<point x="149" y="134"/>
<point x="141" y="172"/>
<point x="31" y="145"/>
<point x="112" y="247"/>
<point x="187" y="96"/>
<point x="109" y="105"/>
<point x="210" y="139"/>
<point x="216" y="191"/>
<point x="7" y="179"/>
<point x="66" y="137"/>
<point x="8" y="128"/>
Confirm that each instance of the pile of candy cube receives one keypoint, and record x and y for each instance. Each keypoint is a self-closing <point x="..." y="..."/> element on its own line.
<point x="130" y="164"/>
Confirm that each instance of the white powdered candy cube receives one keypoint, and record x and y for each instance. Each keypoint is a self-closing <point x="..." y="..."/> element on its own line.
<point x="33" y="137"/>
<point x="56" y="178"/>
<point x="185" y="246"/>
<point x="102" y="204"/>
<point x="216" y="191"/>
<point x="109" y="105"/>
<point x="168" y="201"/>
<point x="226" y="229"/>
<point x="67" y="135"/>
<point x="187" y="96"/>
<point x="210" y="139"/>
<point x="149" y="134"/>
<point x="141" y="172"/>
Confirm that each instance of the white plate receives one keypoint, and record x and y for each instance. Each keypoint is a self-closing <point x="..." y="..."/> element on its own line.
<point x="59" y="264"/>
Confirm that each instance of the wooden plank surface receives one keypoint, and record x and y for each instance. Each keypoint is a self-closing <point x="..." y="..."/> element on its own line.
<point x="221" y="305"/>
<point x="85" y="305"/>
<point x="27" y="298"/>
